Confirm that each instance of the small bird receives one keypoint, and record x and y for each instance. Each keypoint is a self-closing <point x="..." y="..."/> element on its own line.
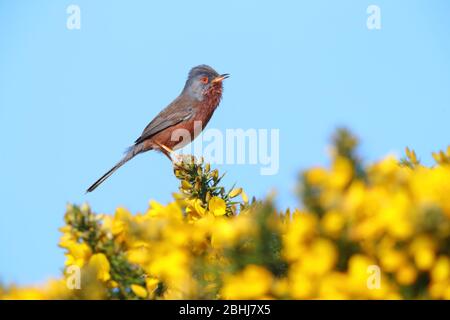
<point x="195" y="105"/>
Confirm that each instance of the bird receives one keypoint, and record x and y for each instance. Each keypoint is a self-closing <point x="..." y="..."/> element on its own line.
<point x="193" y="107"/>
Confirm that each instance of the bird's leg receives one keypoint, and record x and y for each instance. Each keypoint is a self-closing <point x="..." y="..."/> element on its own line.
<point x="165" y="150"/>
<point x="169" y="153"/>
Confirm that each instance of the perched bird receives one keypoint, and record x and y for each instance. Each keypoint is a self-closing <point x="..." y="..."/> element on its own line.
<point x="195" y="105"/>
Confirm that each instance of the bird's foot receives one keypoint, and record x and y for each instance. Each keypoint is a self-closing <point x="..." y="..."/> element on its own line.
<point x="176" y="158"/>
<point x="169" y="153"/>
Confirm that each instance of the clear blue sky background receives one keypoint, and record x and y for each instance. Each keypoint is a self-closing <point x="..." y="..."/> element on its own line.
<point x="72" y="101"/>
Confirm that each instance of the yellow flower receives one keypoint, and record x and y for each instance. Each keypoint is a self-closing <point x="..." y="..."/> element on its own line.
<point x="333" y="286"/>
<point x="195" y="209"/>
<point x="391" y="260"/>
<point x="318" y="258"/>
<point x="119" y="223"/>
<point x="186" y="185"/>
<point x="316" y="176"/>
<point x="100" y="263"/>
<point x="78" y="253"/>
<point x="217" y="206"/>
<point x="244" y="197"/>
<point x="358" y="273"/>
<point x="395" y="217"/>
<point x="137" y="255"/>
<point x="224" y="234"/>
<point x="151" y="284"/>
<point x="65" y="229"/>
<point x="139" y="291"/>
<point x="440" y="290"/>
<point x="423" y="250"/>
<point x="254" y="282"/>
<point x="66" y="240"/>
<point x="332" y="223"/>
<point x="406" y="275"/>
<point x="169" y="263"/>
<point x="441" y="270"/>
<point x="301" y="285"/>
<point x="235" y="192"/>
<point x="155" y="209"/>
<point x="301" y="229"/>
<point x="341" y="173"/>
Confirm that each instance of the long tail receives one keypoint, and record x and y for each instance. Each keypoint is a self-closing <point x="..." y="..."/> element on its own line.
<point x="131" y="153"/>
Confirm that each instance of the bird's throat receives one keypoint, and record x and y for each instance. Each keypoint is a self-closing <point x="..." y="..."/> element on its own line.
<point x="212" y="97"/>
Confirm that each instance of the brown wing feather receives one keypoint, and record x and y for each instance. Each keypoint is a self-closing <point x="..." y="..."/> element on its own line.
<point x="179" y="110"/>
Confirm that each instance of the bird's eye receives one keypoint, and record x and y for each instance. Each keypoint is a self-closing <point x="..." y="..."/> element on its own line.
<point x="204" y="80"/>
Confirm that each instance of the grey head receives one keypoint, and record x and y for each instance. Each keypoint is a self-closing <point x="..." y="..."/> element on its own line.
<point x="200" y="79"/>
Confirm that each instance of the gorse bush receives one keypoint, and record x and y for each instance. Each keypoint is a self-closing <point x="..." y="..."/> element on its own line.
<point x="377" y="231"/>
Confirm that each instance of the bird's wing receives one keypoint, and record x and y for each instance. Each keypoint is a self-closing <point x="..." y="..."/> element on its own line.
<point x="178" y="111"/>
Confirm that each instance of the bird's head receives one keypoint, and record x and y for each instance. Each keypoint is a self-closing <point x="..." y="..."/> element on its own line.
<point x="203" y="79"/>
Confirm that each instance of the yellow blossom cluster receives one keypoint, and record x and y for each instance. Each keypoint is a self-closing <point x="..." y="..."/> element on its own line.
<point x="379" y="231"/>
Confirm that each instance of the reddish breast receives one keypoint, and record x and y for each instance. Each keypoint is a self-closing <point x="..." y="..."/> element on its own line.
<point x="204" y="112"/>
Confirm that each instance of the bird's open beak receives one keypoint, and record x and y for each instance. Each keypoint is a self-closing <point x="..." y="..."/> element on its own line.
<point x="220" y="78"/>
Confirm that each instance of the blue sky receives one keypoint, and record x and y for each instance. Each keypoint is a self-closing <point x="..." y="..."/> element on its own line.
<point x="72" y="100"/>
